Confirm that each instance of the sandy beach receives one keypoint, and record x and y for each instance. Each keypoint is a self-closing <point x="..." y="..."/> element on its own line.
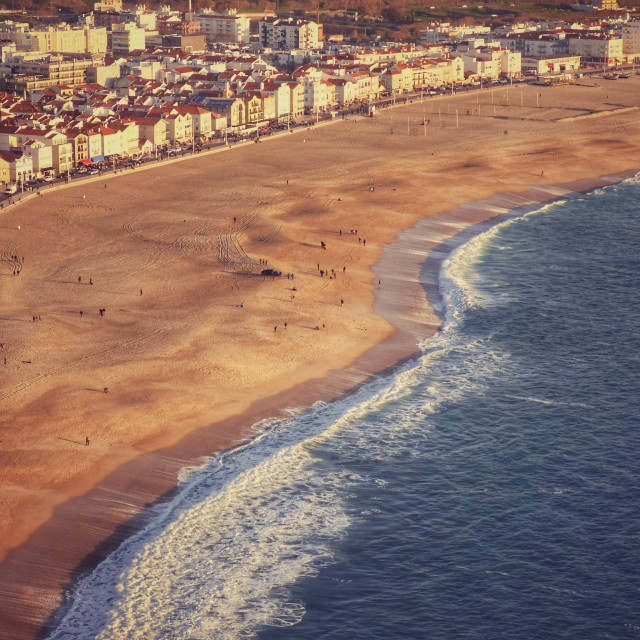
<point x="194" y="345"/>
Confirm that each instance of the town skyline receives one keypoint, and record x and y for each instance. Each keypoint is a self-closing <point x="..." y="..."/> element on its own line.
<point x="126" y="84"/>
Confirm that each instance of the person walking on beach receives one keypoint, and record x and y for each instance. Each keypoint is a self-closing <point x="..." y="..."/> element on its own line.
<point x="86" y="441"/>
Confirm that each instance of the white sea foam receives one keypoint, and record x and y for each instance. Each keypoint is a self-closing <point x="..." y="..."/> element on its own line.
<point x="459" y="279"/>
<point x="220" y="566"/>
<point x="547" y="401"/>
<point x="219" y="559"/>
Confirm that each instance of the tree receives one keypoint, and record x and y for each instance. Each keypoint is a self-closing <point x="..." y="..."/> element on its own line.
<point x="393" y="14"/>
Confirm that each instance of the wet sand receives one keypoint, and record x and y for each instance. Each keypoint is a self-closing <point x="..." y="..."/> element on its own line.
<point x="188" y="347"/>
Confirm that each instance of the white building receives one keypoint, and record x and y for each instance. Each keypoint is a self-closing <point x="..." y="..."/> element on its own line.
<point x="444" y="32"/>
<point x="104" y="75"/>
<point x="41" y="156"/>
<point x="556" y="64"/>
<point x="59" y="39"/>
<point x="345" y="90"/>
<point x="596" y="49"/>
<point x="484" y="66"/>
<point x="288" y="33"/>
<point x="94" y="143"/>
<point x="315" y="93"/>
<point x="108" y="5"/>
<point x="533" y="44"/>
<point x="20" y="166"/>
<point x="281" y="93"/>
<point x="201" y="121"/>
<point x="226" y="26"/>
<point x="437" y="72"/>
<point x="631" y="38"/>
<point x="126" y="37"/>
<point x="141" y="16"/>
<point x="62" y="156"/>
<point x="129" y="133"/>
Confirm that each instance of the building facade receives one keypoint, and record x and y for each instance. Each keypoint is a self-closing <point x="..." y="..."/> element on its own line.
<point x="288" y="33"/>
<point x="631" y="38"/>
<point x="226" y="26"/>
<point x="126" y="37"/>
<point x="596" y="49"/>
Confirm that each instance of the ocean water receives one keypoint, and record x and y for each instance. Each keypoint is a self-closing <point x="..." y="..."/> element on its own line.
<point x="488" y="489"/>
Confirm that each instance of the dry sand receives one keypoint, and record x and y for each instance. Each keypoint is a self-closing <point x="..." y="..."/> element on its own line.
<point x="192" y="362"/>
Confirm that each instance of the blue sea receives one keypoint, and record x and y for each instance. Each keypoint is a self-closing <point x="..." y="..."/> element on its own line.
<point x="489" y="489"/>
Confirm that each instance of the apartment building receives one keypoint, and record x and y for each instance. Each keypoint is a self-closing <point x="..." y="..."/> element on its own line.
<point x="108" y="5"/>
<point x="631" y="38"/>
<point x="288" y="33"/>
<point x="59" y="39"/>
<point x="48" y="71"/>
<point x="126" y="37"/>
<point x="226" y="26"/>
<point x="437" y="72"/>
<point x="596" y="48"/>
<point x="534" y="44"/>
<point x="445" y="32"/>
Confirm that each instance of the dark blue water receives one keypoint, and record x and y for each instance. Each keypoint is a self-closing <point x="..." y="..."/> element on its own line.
<point x="513" y="511"/>
<point x="489" y="490"/>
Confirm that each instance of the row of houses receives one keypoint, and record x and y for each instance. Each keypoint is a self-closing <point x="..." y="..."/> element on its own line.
<point x="398" y="67"/>
<point x="100" y="108"/>
<point x="62" y="127"/>
<point x="161" y="98"/>
<point x="55" y="135"/>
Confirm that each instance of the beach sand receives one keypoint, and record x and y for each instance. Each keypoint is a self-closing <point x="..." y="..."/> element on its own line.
<point x="192" y="347"/>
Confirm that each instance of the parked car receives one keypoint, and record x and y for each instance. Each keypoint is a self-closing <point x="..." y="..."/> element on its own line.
<point x="11" y="189"/>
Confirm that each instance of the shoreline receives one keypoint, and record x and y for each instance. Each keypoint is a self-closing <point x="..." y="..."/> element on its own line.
<point x="380" y="361"/>
<point x="404" y="259"/>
